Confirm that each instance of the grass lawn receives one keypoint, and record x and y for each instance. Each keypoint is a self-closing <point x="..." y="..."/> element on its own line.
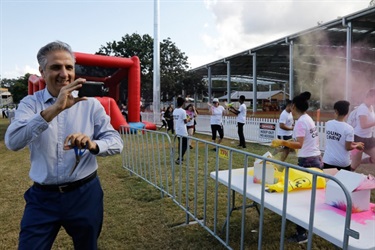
<point x="135" y="215"/>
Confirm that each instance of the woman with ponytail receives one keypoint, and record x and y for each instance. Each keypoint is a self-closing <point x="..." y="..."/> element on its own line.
<point x="306" y="140"/>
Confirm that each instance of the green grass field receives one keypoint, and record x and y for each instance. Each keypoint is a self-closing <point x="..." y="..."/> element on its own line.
<point x="135" y="214"/>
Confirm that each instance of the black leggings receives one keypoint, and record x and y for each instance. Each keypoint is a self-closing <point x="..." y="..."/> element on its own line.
<point x="217" y="128"/>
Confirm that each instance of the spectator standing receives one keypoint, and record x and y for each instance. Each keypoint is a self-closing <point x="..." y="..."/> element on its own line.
<point x="124" y="111"/>
<point x="162" y="118"/>
<point x="363" y="131"/>
<point x="192" y="114"/>
<point x="5" y="112"/>
<point x="217" y="111"/>
<point x="169" y="117"/>
<point x="339" y="139"/>
<point x="52" y="122"/>
<point x="241" y="119"/>
<point x="180" y="118"/>
<point x="285" y="131"/>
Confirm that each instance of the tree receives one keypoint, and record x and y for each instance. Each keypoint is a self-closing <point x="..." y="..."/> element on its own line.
<point x="194" y="84"/>
<point x="19" y="87"/>
<point x="173" y="63"/>
<point x="6" y="82"/>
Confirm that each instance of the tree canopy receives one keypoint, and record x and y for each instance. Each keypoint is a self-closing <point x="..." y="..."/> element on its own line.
<point x="17" y="87"/>
<point x="173" y="64"/>
<point x="175" y="78"/>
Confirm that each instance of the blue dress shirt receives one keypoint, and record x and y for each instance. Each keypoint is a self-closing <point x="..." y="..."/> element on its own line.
<point x="50" y="163"/>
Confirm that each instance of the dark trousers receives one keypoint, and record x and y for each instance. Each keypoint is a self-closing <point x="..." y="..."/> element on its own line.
<point x="182" y="148"/>
<point x="80" y="212"/>
<point x="240" y="134"/>
<point x="170" y="125"/>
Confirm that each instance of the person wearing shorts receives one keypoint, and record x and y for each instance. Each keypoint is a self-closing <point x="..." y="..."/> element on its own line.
<point x="363" y="131"/>
<point x="217" y="111"/>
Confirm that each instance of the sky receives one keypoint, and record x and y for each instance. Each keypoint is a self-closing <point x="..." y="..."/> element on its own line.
<point x="205" y="30"/>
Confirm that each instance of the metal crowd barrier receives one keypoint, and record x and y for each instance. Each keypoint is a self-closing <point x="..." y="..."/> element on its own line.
<point x="252" y="130"/>
<point x="151" y="156"/>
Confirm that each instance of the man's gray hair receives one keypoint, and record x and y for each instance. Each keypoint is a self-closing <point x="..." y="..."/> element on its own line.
<point x="53" y="46"/>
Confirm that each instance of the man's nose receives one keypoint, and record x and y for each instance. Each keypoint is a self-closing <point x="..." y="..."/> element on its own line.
<point x="63" y="72"/>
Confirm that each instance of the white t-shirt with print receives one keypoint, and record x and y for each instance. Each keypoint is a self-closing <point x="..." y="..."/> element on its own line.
<point x="241" y="117"/>
<point x="337" y="134"/>
<point x="366" y="111"/>
<point x="287" y="119"/>
<point x="179" y="115"/>
<point x="305" y="127"/>
<point x="217" y="115"/>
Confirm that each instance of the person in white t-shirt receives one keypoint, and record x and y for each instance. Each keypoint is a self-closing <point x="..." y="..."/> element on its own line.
<point x="307" y="143"/>
<point x="162" y="118"/>
<point x="217" y="111"/>
<point x="363" y="131"/>
<point x="285" y="131"/>
<point x="180" y="120"/>
<point x="339" y="139"/>
<point x="241" y="119"/>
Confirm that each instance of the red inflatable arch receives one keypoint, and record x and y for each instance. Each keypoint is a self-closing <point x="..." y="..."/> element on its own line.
<point x="91" y="67"/>
<point x="125" y="67"/>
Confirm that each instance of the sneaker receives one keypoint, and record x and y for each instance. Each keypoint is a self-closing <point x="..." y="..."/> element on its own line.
<point x="191" y="147"/>
<point x="178" y="162"/>
<point x="298" y="238"/>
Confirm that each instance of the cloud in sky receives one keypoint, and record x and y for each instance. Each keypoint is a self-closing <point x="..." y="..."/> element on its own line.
<point x="21" y="71"/>
<point x="206" y="30"/>
<point x="242" y="25"/>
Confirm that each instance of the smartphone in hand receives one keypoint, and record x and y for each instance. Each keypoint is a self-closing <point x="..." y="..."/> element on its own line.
<point x="92" y="89"/>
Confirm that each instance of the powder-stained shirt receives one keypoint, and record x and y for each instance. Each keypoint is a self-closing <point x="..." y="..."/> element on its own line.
<point x="363" y="110"/>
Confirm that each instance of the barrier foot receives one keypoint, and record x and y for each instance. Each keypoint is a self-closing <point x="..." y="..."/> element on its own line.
<point x="193" y="222"/>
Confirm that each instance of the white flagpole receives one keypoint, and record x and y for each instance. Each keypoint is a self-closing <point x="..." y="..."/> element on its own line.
<point x="156" y="76"/>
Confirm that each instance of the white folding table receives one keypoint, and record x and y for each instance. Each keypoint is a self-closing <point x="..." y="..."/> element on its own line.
<point x="328" y="221"/>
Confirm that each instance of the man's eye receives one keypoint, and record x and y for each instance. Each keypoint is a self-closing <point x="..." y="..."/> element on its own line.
<point x="55" y="67"/>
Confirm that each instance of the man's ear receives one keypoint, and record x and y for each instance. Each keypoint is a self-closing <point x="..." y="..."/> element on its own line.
<point x="41" y="71"/>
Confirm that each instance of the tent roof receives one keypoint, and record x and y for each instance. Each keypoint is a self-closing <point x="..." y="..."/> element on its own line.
<point x="272" y="59"/>
<point x="249" y="95"/>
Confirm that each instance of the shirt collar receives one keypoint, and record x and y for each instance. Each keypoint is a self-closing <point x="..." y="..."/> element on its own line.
<point x="47" y="96"/>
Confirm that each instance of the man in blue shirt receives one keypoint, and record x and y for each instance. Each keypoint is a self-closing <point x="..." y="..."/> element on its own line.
<point x="51" y="123"/>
